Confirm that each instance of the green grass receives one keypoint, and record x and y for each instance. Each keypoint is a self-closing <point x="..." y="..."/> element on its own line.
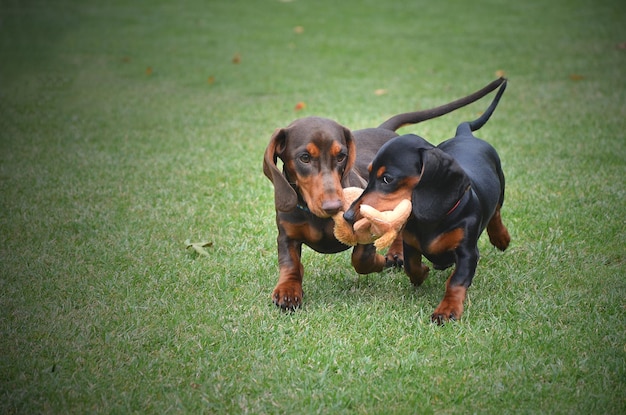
<point x="106" y="168"/>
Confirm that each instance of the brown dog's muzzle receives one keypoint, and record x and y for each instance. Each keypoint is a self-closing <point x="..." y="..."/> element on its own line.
<point x="322" y="193"/>
<point x="331" y="207"/>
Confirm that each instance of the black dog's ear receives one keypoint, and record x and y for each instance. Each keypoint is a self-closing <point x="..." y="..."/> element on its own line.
<point x="351" y="156"/>
<point x="441" y="185"/>
<point x="285" y="197"/>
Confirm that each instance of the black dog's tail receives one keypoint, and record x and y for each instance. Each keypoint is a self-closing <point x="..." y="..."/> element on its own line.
<point x="482" y="120"/>
<point x="408" y="118"/>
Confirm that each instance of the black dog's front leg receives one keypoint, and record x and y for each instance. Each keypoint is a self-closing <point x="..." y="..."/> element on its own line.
<point x="451" y="307"/>
<point x="413" y="266"/>
<point x="395" y="254"/>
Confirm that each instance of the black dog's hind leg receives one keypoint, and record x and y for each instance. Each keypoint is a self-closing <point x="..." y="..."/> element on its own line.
<point x="498" y="234"/>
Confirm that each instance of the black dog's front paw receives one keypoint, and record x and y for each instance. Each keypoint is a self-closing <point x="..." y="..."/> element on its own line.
<point x="451" y="307"/>
<point x="441" y="319"/>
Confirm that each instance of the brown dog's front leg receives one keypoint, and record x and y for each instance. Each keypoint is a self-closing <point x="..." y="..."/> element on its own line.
<point x="366" y="260"/>
<point x="288" y="291"/>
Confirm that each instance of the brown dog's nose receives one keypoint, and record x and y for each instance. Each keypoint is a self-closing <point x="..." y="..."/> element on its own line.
<point x="332" y="206"/>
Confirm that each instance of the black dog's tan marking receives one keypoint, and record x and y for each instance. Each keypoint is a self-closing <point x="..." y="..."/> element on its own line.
<point x="456" y="188"/>
<point x="319" y="158"/>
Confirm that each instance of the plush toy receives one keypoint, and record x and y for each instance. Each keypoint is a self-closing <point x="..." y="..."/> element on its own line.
<point x="378" y="227"/>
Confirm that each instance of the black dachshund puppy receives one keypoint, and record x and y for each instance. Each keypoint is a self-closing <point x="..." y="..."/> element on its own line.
<point x="456" y="189"/>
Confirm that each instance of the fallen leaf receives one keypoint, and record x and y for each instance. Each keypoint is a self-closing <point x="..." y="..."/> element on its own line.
<point x="298" y="30"/>
<point x="621" y="45"/>
<point x="380" y="92"/>
<point x="576" y="77"/>
<point x="211" y="80"/>
<point x="237" y="58"/>
<point x="126" y="59"/>
<point x="149" y="70"/>
<point x="300" y="106"/>
<point x="199" y="246"/>
<point x="500" y="73"/>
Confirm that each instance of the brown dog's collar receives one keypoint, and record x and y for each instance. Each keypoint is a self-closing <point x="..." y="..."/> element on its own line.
<point x="304" y="208"/>
<point x="458" y="202"/>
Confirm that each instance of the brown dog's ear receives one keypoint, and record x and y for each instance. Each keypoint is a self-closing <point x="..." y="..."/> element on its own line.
<point x="285" y="197"/>
<point x="440" y="187"/>
<point x="351" y="156"/>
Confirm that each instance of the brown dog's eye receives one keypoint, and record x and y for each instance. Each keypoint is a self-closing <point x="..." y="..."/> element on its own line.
<point x="305" y="158"/>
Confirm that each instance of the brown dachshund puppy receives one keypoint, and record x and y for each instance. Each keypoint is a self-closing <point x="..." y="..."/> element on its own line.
<point x="456" y="189"/>
<point x="320" y="157"/>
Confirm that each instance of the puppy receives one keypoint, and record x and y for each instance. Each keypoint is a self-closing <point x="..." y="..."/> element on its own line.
<point x="456" y="190"/>
<point x="320" y="157"/>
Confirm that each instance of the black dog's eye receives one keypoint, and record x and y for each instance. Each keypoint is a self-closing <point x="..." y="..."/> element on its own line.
<point x="387" y="179"/>
<point x="305" y="158"/>
<point x="341" y="157"/>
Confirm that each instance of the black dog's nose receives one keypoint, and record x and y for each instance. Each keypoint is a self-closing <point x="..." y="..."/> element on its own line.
<point x="350" y="216"/>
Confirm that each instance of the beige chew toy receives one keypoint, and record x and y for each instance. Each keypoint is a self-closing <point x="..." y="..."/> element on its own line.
<point x="378" y="227"/>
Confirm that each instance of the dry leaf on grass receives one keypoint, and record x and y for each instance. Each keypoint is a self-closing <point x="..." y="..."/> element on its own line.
<point x="199" y="246"/>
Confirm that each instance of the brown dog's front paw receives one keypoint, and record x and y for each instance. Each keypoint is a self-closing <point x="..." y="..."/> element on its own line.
<point x="288" y="296"/>
<point x="394" y="260"/>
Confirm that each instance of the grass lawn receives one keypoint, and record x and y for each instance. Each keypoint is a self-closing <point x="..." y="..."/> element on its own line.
<point x="127" y="128"/>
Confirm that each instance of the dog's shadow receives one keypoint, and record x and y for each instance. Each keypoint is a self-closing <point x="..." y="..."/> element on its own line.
<point x="328" y="286"/>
